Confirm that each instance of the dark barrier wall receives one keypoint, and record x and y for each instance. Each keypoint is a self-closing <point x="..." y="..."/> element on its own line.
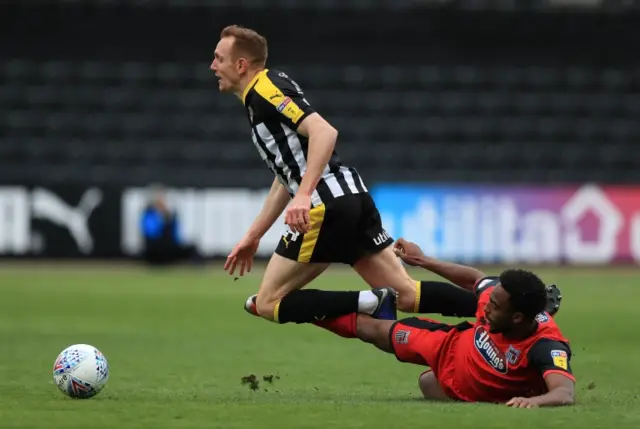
<point x="418" y="35"/>
<point x="123" y="96"/>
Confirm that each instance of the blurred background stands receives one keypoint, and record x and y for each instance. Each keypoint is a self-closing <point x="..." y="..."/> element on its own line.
<point x="467" y="91"/>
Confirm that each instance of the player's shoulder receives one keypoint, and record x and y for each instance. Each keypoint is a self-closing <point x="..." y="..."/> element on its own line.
<point x="280" y="77"/>
<point x="285" y="83"/>
<point x="551" y="355"/>
<point x="548" y="336"/>
<point x="548" y="329"/>
<point x="263" y="92"/>
<point x="274" y="84"/>
<point x="550" y="346"/>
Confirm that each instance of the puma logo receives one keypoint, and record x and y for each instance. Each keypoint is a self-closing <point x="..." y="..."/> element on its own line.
<point x="47" y="205"/>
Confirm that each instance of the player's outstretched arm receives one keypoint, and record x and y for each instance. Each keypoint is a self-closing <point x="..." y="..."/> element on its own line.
<point x="561" y="392"/>
<point x="552" y="358"/>
<point x="273" y="206"/>
<point x="243" y="252"/>
<point x="461" y="275"/>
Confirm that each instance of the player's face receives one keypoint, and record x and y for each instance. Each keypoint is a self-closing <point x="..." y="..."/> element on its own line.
<point x="225" y="66"/>
<point x="498" y="312"/>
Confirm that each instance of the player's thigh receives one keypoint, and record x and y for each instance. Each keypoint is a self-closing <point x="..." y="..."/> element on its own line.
<point x="419" y="340"/>
<point x="374" y="259"/>
<point x="283" y="276"/>
<point x="384" y="269"/>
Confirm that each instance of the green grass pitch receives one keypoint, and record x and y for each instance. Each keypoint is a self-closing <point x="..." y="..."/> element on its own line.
<point x="178" y="344"/>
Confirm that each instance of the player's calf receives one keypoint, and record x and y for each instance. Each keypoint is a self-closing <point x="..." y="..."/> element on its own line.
<point x="374" y="331"/>
<point x="321" y="305"/>
<point x="450" y="300"/>
<point x="361" y="326"/>
<point x="383" y="269"/>
<point x="445" y="299"/>
<point x="302" y="306"/>
<point x="347" y="326"/>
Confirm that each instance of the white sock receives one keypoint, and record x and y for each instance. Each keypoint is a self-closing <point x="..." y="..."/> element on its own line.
<point x="367" y="302"/>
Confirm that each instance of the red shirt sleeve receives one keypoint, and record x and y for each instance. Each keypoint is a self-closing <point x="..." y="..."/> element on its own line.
<point x="550" y="356"/>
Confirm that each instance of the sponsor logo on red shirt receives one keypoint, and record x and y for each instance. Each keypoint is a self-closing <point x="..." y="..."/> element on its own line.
<point x="489" y="350"/>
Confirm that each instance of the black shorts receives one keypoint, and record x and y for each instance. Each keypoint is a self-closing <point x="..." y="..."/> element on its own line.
<point x="343" y="230"/>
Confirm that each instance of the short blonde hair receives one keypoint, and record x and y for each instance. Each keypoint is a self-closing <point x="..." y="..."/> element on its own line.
<point x="247" y="42"/>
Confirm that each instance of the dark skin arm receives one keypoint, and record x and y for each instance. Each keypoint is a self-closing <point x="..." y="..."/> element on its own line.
<point x="561" y="392"/>
<point x="461" y="275"/>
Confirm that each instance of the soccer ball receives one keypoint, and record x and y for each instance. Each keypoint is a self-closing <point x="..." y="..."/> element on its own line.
<point x="81" y="371"/>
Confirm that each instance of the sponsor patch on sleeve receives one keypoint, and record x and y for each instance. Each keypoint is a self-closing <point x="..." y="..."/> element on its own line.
<point x="560" y="359"/>
<point x="284" y="103"/>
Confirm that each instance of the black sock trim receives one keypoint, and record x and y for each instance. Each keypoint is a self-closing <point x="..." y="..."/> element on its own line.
<point x="446" y="299"/>
<point x="309" y="305"/>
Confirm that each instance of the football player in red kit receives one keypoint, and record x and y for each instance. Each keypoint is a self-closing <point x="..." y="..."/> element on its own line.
<point x="513" y="353"/>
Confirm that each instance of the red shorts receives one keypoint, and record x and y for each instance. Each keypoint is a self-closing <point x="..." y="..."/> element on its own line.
<point x="427" y="342"/>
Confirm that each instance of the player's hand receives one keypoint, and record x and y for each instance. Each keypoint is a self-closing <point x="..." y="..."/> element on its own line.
<point x="243" y="254"/>
<point x="297" y="214"/>
<point x="519" y="402"/>
<point x="409" y="252"/>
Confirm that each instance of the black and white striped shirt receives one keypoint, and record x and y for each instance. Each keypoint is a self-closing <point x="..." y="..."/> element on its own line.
<point x="275" y="106"/>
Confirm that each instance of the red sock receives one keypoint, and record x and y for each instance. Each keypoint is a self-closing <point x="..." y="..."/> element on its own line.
<point x="345" y="326"/>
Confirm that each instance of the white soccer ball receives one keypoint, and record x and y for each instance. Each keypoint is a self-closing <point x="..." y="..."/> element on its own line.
<point x="81" y="371"/>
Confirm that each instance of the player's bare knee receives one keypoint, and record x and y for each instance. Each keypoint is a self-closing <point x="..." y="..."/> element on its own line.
<point x="406" y="288"/>
<point x="424" y="380"/>
<point x="430" y="387"/>
<point x="407" y="300"/>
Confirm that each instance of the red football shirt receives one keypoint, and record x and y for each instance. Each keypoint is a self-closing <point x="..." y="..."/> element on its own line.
<point x="490" y="368"/>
